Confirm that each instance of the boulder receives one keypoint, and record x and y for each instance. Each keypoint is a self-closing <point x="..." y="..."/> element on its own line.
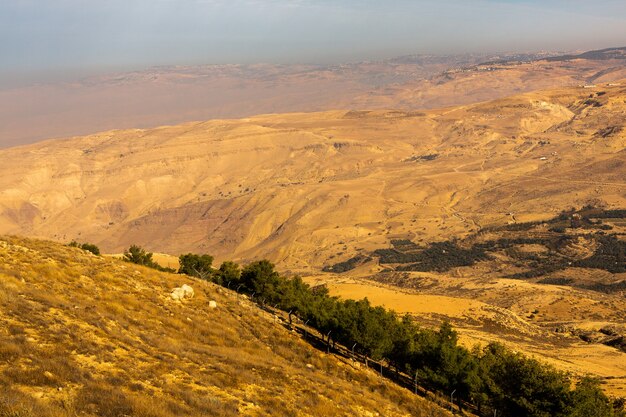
<point x="182" y="292"/>
<point x="189" y="293"/>
<point x="212" y="304"/>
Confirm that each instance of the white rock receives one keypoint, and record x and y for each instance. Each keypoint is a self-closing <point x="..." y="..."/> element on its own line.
<point x="212" y="304"/>
<point x="178" y="294"/>
<point x="189" y="293"/>
<point x="182" y="292"/>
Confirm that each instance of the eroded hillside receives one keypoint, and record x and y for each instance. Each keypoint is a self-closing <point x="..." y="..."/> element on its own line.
<point x="85" y="335"/>
<point x="311" y="189"/>
<point x="497" y="78"/>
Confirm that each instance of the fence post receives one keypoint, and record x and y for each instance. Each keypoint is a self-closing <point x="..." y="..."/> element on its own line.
<point x="328" y="341"/>
<point x="452" y="401"/>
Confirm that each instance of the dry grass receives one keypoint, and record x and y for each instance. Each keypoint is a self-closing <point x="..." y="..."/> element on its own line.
<point x="83" y="335"/>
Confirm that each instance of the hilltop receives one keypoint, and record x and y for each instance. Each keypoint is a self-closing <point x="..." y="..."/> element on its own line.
<point x="497" y="77"/>
<point x="86" y="335"/>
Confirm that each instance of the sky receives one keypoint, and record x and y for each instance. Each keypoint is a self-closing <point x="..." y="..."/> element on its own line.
<point x="53" y="37"/>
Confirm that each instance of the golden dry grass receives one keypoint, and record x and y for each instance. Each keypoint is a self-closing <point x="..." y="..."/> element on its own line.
<point x="86" y="335"/>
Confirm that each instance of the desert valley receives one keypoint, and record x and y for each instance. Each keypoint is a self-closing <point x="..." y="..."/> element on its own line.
<point x="487" y="191"/>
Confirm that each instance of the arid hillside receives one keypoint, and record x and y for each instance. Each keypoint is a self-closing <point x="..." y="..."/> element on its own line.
<point x="310" y="189"/>
<point x="173" y="95"/>
<point x="314" y="190"/>
<point x="92" y="336"/>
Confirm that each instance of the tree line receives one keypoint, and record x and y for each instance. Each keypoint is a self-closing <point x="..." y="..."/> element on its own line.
<point x="492" y="378"/>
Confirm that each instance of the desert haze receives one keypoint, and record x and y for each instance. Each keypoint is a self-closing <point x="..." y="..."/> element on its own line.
<point x="312" y="190"/>
<point x="279" y="208"/>
<point x="177" y="94"/>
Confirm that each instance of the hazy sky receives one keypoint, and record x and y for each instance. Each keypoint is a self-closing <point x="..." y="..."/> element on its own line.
<point x="55" y="36"/>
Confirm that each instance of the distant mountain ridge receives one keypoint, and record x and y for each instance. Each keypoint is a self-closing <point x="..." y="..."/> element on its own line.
<point x="176" y="94"/>
<point x="597" y="55"/>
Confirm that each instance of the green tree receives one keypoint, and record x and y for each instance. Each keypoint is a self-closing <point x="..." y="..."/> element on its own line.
<point x="374" y="326"/>
<point x="588" y="400"/>
<point x="521" y="386"/>
<point x="196" y="265"/>
<point x="404" y="337"/>
<point x="89" y="247"/>
<point x="322" y="309"/>
<point x="139" y="256"/>
<point x="446" y="366"/>
<point x="228" y="272"/>
<point x="261" y="279"/>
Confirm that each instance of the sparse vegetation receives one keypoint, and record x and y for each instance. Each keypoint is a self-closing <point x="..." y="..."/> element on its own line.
<point x="439" y="256"/>
<point x="347" y="265"/>
<point x="610" y="256"/>
<point x="428" y="157"/>
<point x="138" y="255"/>
<point x="89" y="247"/>
<point x="609" y="253"/>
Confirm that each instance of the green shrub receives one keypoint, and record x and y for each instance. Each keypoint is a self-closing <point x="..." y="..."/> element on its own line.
<point x="137" y="255"/>
<point x="89" y="247"/>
